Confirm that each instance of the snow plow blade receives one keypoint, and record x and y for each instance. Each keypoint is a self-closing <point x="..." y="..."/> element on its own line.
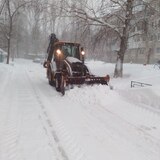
<point x="88" y="80"/>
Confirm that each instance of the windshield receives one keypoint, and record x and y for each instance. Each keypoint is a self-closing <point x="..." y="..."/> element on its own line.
<point x="71" y="50"/>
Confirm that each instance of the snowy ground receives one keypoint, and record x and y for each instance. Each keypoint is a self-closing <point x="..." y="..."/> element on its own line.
<point x="88" y="123"/>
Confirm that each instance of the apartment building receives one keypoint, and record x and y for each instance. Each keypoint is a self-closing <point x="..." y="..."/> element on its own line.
<point x="144" y="41"/>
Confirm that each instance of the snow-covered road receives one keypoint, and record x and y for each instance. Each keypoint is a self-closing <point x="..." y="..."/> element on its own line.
<point x="88" y="123"/>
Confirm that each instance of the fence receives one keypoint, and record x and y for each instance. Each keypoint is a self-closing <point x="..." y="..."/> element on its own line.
<point x="140" y="84"/>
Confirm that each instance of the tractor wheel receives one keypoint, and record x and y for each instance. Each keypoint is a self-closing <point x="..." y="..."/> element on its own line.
<point x="58" y="82"/>
<point x="50" y="79"/>
<point x="62" y="89"/>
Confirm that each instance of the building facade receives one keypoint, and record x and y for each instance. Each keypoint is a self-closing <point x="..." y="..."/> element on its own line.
<point x="144" y="41"/>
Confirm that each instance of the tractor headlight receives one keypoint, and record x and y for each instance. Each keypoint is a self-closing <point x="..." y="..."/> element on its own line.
<point x="58" y="52"/>
<point x="83" y="53"/>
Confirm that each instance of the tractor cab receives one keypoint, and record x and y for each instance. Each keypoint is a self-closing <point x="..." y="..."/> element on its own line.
<point x="67" y="49"/>
<point x="67" y="53"/>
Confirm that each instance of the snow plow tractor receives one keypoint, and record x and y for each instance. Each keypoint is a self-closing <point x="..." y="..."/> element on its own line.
<point x="65" y="66"/>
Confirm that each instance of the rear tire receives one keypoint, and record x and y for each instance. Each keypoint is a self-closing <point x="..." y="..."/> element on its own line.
<point x="60" y="83"/>
<point x="50" y="79"/>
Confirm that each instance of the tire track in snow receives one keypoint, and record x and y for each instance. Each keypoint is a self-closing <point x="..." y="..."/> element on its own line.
<point x="5" y="80"/>
<point x="9" y="136"/>
<point x="32" y="97"/>
<point x="66" y="146"/>
<point x="19" y="105"/>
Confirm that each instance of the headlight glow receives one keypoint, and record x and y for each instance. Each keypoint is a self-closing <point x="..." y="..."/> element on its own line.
<point x="83" y="53"/>
<point x="58" y="51"/>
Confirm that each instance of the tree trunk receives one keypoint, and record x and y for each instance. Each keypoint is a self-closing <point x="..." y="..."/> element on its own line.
<point x="9" y="44"/>
<point x="10" y="30"/>
<point x="118" y="68"/>
<point x="118" y="72"/>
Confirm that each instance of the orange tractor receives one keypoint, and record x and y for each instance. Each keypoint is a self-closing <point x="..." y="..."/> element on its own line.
<point x="65" y="66"/>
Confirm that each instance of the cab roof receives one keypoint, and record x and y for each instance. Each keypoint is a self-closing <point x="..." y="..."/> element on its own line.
<point x="65" y="42"/>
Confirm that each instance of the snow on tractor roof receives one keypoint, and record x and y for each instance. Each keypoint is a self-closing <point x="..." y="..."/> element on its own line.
<point x="65" y="42"/>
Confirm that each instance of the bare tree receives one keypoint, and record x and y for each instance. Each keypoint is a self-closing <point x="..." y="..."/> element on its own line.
<point x="124" y="39"/>
<point x="11" y="8"/>
<point x="2" y="5"/>
<point x="113" y="21"/>
<point x="41" y="17"/>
